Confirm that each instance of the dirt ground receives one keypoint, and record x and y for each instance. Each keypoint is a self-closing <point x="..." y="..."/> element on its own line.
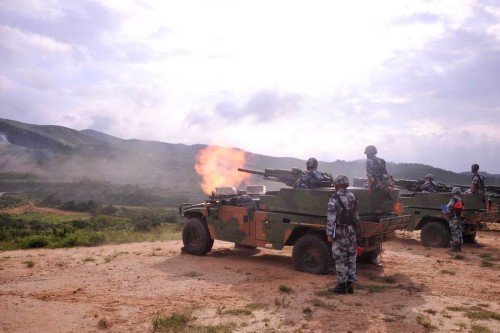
<point x="121" y="288"/>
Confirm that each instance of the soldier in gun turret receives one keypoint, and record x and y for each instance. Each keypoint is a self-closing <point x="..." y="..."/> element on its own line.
<point x="429" y="185"/>
<point x="455" y="207"/>
<point x="376" y="171"/>
<point x="341" y="232"/>
<point x="477" y="185"/>
<point x="311" y="178"/>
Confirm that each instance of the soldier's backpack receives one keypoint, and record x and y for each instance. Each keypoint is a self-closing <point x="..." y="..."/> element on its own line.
<point x="347" y="218"/>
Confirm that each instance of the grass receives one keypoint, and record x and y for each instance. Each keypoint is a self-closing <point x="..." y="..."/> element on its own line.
<point x="192" y="274"/>
<point x="487" y="263"/>
<point x="448" y="271"/>
<point x="476" y="328"/>
<point x="320" y="304"/>
<point x="425" y="322"/>
<point x="285" y="289"/>
<point x="476" y="313"/>
<point x="176" y="322"/>
<point x="89" y="259"/>
<point x="29" y="263"/>
<point x="238" y="312"/>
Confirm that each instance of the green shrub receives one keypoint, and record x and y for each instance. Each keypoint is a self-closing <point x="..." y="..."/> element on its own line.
<point x="35" y="241"/>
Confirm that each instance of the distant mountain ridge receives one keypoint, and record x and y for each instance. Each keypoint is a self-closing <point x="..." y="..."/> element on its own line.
<point x="60" y="154"/>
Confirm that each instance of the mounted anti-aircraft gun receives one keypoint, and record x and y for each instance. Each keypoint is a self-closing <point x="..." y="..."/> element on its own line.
<point x="288" y="177"/>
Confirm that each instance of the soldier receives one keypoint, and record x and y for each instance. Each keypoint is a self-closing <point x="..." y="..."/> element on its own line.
<point x="376" y="171"/>
<point x="455" y="207"/>
<point x="311" y="178"/>
<point x="429" y="185"/>
<point x="477" y="186"/>
<point x="341" y="232"/>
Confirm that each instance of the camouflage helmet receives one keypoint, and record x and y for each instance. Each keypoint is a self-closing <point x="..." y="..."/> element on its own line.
<point x="371" y="150"/>
<point x="430" y="176"/>
<point x="312" y="163"/>
<point x="456" y="190"/>
<point x="341" y="180"/>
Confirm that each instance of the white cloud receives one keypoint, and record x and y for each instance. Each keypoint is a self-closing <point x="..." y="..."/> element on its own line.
<point x="284" y="78"/>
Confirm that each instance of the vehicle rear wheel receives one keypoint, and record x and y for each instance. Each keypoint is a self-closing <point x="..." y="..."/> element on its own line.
<point x="312" y="254"/>
<point x="435" y="234"/>
<point x="196" y="237"/>
<point x="368" y="257"/>
<point x="470" y="238"/>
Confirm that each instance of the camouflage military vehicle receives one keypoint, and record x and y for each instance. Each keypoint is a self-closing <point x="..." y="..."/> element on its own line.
<point x="433" y="224"/>
<point x="288" y="217"/>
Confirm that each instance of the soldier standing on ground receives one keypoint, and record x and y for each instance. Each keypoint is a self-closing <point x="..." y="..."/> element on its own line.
<point x="455" y="207"/>
<point x="477" y="186"/>
<point x="376" y="171"/>
<point x="340" y="230"/>
<point x="311" y="178"/>
<point x="429" y="185"/>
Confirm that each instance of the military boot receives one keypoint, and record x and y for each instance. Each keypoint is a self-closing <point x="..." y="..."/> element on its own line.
<point x="350" y="287"/>
<point x="456" y="248"/>
<point x="339" y="289"/>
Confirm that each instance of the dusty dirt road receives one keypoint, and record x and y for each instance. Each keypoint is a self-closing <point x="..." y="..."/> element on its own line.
<point x="121" y="288"/>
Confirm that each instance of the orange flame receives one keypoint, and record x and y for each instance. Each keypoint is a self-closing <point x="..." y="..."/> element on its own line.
<point x="218" y="166"/>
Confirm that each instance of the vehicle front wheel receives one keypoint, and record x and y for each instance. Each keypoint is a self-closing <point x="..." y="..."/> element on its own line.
<point x="435" y="234"/>
<point x="196" y="237"/>
<point x="312" y="254"/>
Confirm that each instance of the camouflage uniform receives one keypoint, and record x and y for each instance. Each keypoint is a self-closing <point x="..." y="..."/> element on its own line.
<point x="309" y="179"/>
<point x="455" y="207"/>
<point x="428" y="186"/>
<point x="375" y="168"/>
<point x="343" y="234"/>
<point x="479" y="181"/>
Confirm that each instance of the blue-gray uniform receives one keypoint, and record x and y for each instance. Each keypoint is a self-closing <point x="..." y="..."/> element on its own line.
<point x="375" y="168"/>
<point x="340" y="227"/>
<point x="479" y="181"/>
<point x="309" y="179"/>
<point x="455" y="207"/>
<point x="428" y="186"/>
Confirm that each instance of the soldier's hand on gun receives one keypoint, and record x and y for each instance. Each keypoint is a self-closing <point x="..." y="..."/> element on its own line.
<point x="330" y="239"/>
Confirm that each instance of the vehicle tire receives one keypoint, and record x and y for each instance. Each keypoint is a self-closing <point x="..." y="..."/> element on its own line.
<point x="470" y="238"/>
<point x="196" y="237"/>
<point x="312" y="254"/>
<point x="435" y="234"/>
<point x="368" y="257"/>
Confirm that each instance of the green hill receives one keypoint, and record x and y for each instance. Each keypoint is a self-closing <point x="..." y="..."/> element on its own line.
<point x="89" y="164"/>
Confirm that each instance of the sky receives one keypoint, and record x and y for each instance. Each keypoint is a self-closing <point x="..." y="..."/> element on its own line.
<point x="419" y="79"/>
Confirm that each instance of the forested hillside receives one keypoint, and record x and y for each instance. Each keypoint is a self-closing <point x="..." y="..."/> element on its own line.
<point x="84" y="165"/>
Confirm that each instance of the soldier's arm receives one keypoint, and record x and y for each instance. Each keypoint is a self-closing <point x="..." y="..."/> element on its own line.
<point x="331" y="219"/>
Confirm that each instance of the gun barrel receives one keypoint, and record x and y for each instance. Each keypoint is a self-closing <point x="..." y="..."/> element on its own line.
<point x="255" y="172"/>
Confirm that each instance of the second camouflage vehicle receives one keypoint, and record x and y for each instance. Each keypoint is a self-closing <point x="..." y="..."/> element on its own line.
<point x="432" y="223"/>
<point x="287" y="217"/>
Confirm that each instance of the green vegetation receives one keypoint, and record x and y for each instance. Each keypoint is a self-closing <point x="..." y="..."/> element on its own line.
<point x="285" y="289"/>
<point x="176" y="322"/>
<point x="476" y="312"/>
<point x="33" y="229"/>
<point x="476" y="328"/>
<point x="425" y="321"/>
<point x="29" y="263"/>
